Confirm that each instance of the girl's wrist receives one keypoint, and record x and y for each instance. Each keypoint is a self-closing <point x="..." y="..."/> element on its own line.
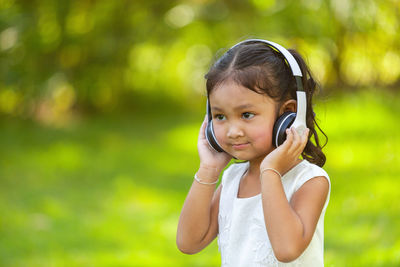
<point x="272" y="171"/>
<point x="270" y="165"/>
<point x="208" y="174"/>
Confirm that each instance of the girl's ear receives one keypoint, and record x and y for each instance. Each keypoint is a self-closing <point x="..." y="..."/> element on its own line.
<point x="289" y="105"/>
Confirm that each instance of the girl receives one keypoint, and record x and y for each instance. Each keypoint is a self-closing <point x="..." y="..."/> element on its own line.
<point x="269" y="210"/>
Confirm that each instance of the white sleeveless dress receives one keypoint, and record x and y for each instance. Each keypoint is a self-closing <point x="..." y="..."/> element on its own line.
<point x="243" y="239"/>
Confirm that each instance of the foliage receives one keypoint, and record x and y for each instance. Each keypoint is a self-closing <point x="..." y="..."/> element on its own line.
<point x="58" y="56"/>
<point x="108" y="190"/>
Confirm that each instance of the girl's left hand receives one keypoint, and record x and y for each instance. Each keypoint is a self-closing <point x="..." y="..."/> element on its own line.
<point x="284" y="157"/>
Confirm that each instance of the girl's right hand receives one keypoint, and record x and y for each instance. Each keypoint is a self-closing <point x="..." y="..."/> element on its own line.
<point x="209" y="158"/>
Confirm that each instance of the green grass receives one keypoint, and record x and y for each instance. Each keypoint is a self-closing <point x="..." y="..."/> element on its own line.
<point x="108" y="190"/>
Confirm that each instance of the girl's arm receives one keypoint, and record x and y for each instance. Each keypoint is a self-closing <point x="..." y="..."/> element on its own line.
<point x="198" y="223"/>
<point x="290" y="226"/>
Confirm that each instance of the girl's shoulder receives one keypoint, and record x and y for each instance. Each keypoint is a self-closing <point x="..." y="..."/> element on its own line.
<point x="305" y="171"/>
<point x="313" y="169"/>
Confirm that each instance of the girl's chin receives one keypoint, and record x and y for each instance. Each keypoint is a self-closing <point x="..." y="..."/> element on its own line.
<point x="247" y="156"/>
<point x="243" y="156"/>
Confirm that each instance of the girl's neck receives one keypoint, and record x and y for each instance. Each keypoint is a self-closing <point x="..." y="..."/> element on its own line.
<point x="254" y="168"/>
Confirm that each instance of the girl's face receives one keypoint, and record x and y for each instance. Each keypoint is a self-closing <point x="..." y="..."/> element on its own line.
<point x="243" y="120"/>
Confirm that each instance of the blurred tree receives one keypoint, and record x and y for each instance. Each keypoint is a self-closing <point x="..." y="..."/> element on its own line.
<point x="57" y="55"/>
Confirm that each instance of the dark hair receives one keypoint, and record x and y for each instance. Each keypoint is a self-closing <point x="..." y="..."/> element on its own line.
<point x="260" y="68"/>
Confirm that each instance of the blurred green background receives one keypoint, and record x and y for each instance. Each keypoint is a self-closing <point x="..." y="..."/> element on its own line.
<point x="101" y="103"/>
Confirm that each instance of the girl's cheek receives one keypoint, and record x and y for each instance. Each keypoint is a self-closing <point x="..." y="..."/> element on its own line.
<point x="219" y="133"/>
<point x="263" y="137"/>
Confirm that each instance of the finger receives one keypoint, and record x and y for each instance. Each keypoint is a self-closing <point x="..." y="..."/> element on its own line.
<point x="289" y="139"/>
<point x="296" y="141"/>
<point x="203" y="128"/>
<point x="304" y="140"/>
<point x="296" y="135"/>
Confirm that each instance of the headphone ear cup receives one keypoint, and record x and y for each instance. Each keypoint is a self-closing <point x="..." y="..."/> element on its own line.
<point x="280" y="126"/>
<point x="210" y="136"/>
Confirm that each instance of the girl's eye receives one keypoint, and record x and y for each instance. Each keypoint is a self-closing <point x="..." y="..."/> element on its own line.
<point x="219" y="117"/>
<point x="247" y="115"/>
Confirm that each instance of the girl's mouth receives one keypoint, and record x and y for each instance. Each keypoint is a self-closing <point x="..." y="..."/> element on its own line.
<point x="240" y="146"/>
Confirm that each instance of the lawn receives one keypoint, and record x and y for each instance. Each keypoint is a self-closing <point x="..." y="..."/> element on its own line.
<point x="107" y="190"/>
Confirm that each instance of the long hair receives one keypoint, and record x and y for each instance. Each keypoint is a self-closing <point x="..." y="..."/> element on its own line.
<point x="261" y="69"/>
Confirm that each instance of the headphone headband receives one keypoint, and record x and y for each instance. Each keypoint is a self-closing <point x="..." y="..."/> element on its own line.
<point x="291" y="61"/>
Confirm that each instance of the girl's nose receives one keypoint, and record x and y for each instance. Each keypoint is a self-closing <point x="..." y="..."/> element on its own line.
<point x="235" y="131"/>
